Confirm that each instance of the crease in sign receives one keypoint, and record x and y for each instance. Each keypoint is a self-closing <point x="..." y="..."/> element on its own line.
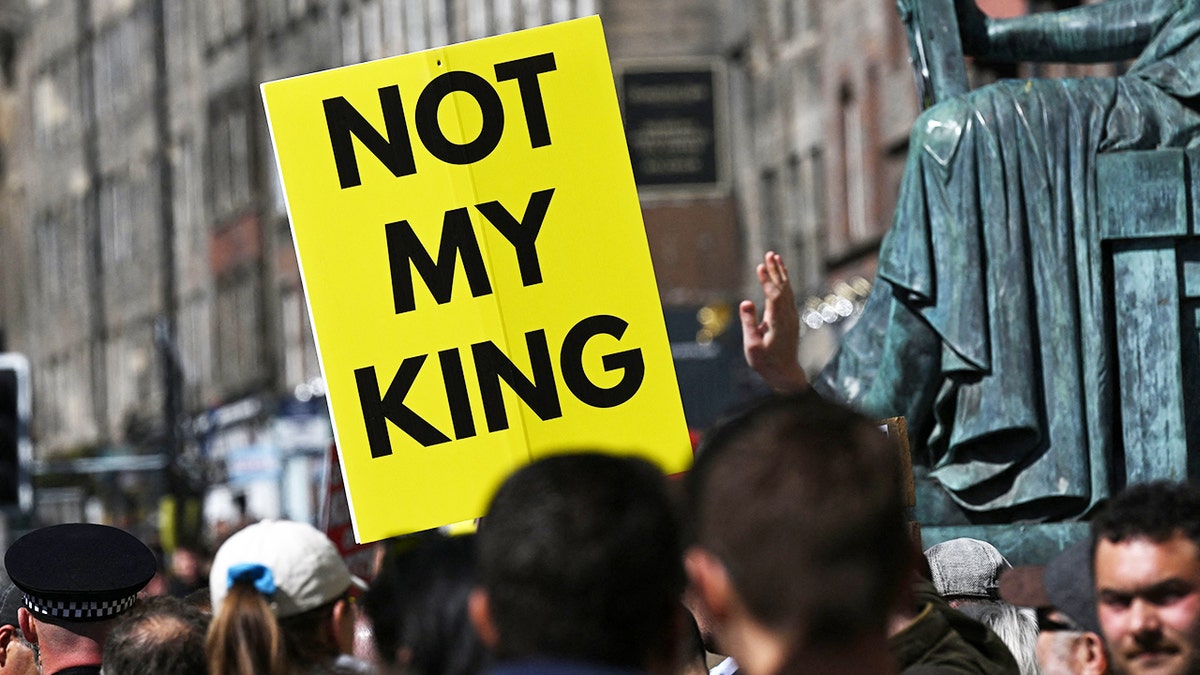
<point x="467" y="195"/>
<point x="508" y="337"/>
<point x="485" y="244"/>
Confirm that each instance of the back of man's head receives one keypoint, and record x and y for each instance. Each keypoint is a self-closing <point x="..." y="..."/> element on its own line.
<point x="800" y="500"/>
<point x="160" y="635"/>
<point x="1156" y="511"/>
<point x="417" y="604"/>
<point x="580" y="558"/>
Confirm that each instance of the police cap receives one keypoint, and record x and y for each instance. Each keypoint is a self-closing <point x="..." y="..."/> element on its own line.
<point x="79" y="571"/>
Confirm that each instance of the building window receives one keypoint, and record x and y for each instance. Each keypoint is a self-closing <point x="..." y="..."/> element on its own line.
<point x="351" y="38"/>
<point x="225" y="20"/>
<point x="772" y="227"/>
<point x="441" y="18"/>
<point x="809" y="189"/>
<point x="299" y="8"/>
<point x="796" y="204"/>
<point x="419" y="20"/>
<point x="116" y="217"/>
<point x="561" y="10"/>
<point x="534" y="12"/>
<point x="854" y="160"/>
<point x="124" y="66"/>
<point x="505" y="18"/>
<point x="300" y="353"/>
<point x="477" y="18"/>
<point x="195" y="346"/>
<point x="189" y="213"/>
<point x="238" y="339"/>
<point x="49" y="258"/>
<point x="371" y="16"/>
<point x="274" y="14"/>
<point x="393" y="27"/>
<point x="57" y="108"/>
<point x="230" y="155"/>
<point x="812" y="14"/>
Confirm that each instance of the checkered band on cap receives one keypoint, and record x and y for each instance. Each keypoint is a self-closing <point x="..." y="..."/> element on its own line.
<point x="80" y="610"/>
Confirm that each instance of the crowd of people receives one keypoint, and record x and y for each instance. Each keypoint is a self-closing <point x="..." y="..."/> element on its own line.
<point x="785" y="549"/>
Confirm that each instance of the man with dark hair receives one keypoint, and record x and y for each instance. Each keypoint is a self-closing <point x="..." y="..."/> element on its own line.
<point x="579" y="559"/>
<point x="1146" y="561"/>
<point x="801" y="547"/>
<point x="161" y="635"/>
<point x="417" y="604"/>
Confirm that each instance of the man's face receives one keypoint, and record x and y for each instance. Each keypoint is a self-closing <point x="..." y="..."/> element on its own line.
<point x="1056" y="648"/>
<point x="1148" y="601"/>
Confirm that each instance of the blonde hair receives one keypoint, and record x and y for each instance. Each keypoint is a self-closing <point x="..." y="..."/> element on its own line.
<point x="244" y="637"/>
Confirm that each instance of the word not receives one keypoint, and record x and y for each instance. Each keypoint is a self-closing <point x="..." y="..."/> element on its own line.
<point x="539" y="392"/>
<point x="406" y="252"/>
<point x="395" y="150"/>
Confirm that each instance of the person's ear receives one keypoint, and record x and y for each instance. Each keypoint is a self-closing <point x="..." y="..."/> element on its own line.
<point x="710" y="582"/>
<point x="479" y="611"/>
<point x="28" y="625"/>
<point x="7" y="633"/>
<point x="1091" y="656"/>
<point x="341" y="625"/>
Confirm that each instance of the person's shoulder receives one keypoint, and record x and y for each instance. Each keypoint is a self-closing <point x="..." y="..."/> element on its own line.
<point x="558" y="667"/>
<point x="727" y="667"/>
<point x="348" y="665"/>
<point x="934" y="669"/>
<point x="941" y="640"/>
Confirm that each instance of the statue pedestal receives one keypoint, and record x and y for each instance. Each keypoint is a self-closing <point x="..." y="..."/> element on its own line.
<point x="1032" y="544"/>
<point x="1147" y="216"/>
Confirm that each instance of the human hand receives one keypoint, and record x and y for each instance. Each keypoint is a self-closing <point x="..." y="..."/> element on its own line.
<point x="771" y="345"/>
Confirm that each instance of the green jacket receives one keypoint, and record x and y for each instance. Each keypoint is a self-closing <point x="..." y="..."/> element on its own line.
<point x="944" y="641"/>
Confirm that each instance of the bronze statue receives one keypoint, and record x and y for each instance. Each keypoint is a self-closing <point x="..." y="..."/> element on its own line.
<point x="986" y="325"/>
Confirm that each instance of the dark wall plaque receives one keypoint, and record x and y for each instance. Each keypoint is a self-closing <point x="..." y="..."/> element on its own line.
<point x="671" y="125"/>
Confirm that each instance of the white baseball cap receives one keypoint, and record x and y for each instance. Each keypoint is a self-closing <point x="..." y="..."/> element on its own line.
<point x="293" y="564"/>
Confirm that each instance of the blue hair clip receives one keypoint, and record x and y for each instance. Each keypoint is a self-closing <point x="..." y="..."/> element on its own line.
<point x="252" y="573"/>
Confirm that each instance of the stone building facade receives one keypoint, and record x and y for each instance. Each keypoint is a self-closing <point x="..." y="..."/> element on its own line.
<point x="154" y="283"/>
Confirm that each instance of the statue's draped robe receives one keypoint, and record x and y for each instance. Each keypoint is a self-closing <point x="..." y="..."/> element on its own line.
<point x="986" y="327"/>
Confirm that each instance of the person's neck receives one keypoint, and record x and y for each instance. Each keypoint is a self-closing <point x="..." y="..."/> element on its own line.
<point x="759" y="651"/>
<point x="61" y="654"/>
<point x="53" y="663"/>
<point x="867" y="655"/>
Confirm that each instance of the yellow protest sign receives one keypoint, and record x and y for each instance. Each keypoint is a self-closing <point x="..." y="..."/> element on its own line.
<point x="476" y="268"/>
